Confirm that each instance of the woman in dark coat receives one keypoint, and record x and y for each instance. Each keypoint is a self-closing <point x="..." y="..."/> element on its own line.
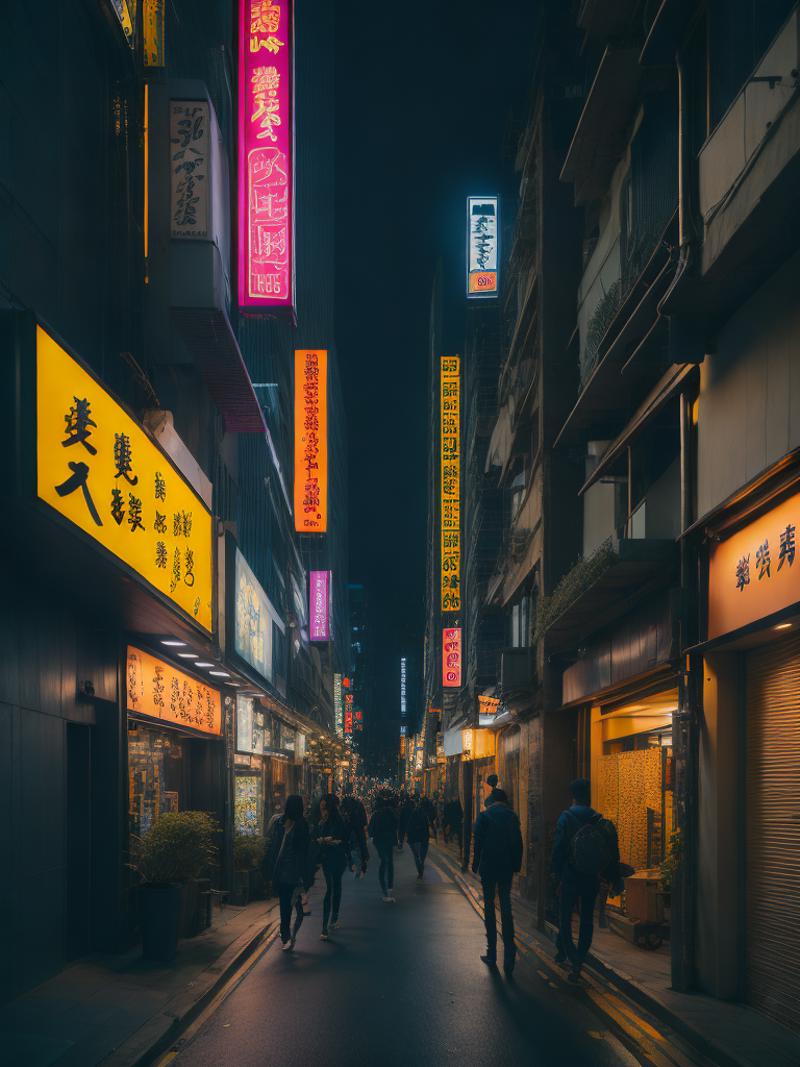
<point x="289" y="861"/>
<point x="331" y="836"/>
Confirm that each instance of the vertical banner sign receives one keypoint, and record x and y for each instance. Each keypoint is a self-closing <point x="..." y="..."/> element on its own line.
<point x="188" y="160"/>
<point x="403" y="675"/>
<point x="338" y="709"/>
<point x="319" y="584"/>
<point x="348" y="714"/>
<point x="265" y="156"/>
<point x="153" y="32"/>
<point x="451" y="657"/>
<point x="311" y="441"/>
<point x="483" y="219"/>
<point x="451" y="483"/>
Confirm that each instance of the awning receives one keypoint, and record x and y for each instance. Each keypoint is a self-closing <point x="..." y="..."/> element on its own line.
<point x="453" y="741"/>
<point x="667" y="387"/>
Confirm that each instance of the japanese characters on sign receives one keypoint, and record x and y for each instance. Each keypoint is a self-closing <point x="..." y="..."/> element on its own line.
<point x="487" y="710"/>
<point x="254" y="618"/>
<point x="311" y="441"/>
<point x="403" y="675"/>
<point x="153" y="32"/>
<point x="752" y="574"/>
<point x="348" y="713"/>
<point x="451" y="657"/>
<point x="319" y="584"/>
<point x="338" y="708"/>
<point x="450" y="461"/>
<point x="189" y="168"/>
<point x="483" y="216"/>
<point x="98" y="468"/>
<point x="265" y="155"/>
<point x="161" y="691"/>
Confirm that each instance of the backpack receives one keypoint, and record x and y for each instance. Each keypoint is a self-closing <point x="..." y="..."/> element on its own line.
<point x="591" y="847"/>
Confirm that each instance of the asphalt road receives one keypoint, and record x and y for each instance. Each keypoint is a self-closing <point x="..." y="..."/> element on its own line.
<point x="399" y="984"/>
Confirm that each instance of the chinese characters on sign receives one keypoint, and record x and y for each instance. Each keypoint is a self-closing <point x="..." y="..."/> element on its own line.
<point x="348" y="713"/>
<point x="311" y="441"/>
<point x="451" y="657"/>
<point x="482" y="253"/>
<point x="338" y="709"/>
<point x="752" y="574"/>
<point x="265" y="155"/>
<point x="403" y="703"/>
<point x="188" y="160"/>
<point x="98" y="468"/>
<point x="451" y="483"/>
<point x="157" y="689"/>
<point x="319" y="604"/>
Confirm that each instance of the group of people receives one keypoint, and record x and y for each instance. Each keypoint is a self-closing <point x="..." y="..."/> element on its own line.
<point x="335" y="840"/>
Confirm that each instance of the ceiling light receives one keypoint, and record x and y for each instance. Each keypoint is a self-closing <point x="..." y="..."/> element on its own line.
<point x="220" y="674"/>
<point x="174" y="644"/>
<point x="237" y="684"/>
<point x="783" y="626"/>
<point x="188" y="655"/>
<point x="203" y="664"/>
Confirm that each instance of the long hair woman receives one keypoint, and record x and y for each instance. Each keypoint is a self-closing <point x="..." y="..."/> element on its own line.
<point x="331" y="837"/>
<point x="290" y="868"/>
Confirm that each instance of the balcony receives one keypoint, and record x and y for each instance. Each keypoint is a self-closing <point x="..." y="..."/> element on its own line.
<point x="749" y="174"/>
<point x="190" y="254"/>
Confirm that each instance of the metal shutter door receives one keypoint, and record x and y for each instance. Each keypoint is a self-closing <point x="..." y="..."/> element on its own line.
<point x="773" y="830"/>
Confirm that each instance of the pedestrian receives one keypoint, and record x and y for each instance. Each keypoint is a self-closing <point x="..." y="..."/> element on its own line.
<point x="454" y="820"/>
<point x="417" y="831"/>
<point x="383" y="829"/>
<point x="491" y="791"/>
<point x="584" y="851"/>
<point x="331" y="834"/>
<point x="406" y="809"/>
<point x="289" y="865"/>
<point x="358" y="835"/>
<point x="497" y="857"/>
<point x="430" y="813"/>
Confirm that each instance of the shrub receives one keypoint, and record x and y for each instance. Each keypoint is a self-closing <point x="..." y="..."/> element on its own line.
<point x="179" y="846"/>
<point x="248" y="851"/>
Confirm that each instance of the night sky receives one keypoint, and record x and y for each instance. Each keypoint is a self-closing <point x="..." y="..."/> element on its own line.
<point x="429" y="99"/>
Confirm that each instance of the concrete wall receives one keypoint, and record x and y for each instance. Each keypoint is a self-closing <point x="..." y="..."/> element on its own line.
<point x="750" y="390"/>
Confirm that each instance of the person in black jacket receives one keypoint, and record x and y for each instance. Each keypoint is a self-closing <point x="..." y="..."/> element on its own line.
<point x="497" y="858"/>
<point x="417" y="829"/>
<point x="383" y="829"/>
<point x="288" y="860"/>
<point x="331" y="835"/>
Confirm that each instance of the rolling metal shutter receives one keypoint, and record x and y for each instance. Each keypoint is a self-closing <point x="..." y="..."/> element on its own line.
<point x="773" y="830"/>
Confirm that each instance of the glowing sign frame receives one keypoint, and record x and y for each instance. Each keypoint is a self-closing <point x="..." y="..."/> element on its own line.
<point x="483" y="248"/>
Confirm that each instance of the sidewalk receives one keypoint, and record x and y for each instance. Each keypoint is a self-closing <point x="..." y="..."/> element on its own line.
<point x="119" y="1010"/>
<point x="731" y="1034"/>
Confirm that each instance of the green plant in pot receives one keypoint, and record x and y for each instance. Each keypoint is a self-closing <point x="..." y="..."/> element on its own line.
<point x="248" y="851"/>
<point x="178" y="847"/>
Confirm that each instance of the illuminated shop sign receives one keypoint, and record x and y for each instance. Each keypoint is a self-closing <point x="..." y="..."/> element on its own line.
<point x="160" y="691"/>
<point x="451" y="657"/>
<point x="254" y="617"/>
<point x="319" y="585"/>
<point x="98" y="468"/>
<point x="487" y="710"/>
<point x="265" y="156"/>
<point x="153" y="32"/>
<point x="403" y="671"/>
<point x="450" y="463"/>
<point x="338" y="707"/>
<point x="483" y="229"/>
<point x="752" y="574"/>
<point x="311" y="441"/>
<point x="348" y="713"/>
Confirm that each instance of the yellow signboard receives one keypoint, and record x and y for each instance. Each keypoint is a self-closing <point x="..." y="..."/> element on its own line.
<point x="98" y="468"/>
<point x="450" y="384"/>
<point x="160" y="690"/>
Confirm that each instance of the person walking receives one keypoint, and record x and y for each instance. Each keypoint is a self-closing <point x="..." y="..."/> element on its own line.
<point x="331" y="835"/>
<point x="289" y="863"/>
<point x="406" y="810"/>
<point x="585" y="850"/>
<point x="454" y="820"/>
<point x="417" y="831"/>
<point x="497" y="857"/>
<point x="383" y="829"/>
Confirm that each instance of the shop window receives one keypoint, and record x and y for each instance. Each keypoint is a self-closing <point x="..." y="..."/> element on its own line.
<point x="521" y="623"/>
<point x="156" y="775"/>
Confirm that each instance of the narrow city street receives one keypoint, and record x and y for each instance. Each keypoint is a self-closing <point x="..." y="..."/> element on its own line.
<point x="402" y="983"/>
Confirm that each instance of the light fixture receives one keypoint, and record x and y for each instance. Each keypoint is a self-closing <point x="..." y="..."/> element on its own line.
<point x="188" y="655"/>
<point x="174" y="644"/>
<point x="220" y="674"/>
<point x="237" y="684"/>
<point x="783" y="626"/>
<point x="203" y="664"/>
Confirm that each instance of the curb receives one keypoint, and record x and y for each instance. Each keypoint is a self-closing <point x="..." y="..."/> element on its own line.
<point x="154" y="1037"/>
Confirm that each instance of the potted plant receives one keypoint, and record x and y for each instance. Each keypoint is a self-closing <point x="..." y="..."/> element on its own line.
<point x="178" y="847"/>
<point x="248" y="854"/>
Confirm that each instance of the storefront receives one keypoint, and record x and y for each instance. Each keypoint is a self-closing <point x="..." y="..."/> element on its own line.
<point x="266" y="771"/>
<point x="176" y="758"/>
<point x="750" y="751"/>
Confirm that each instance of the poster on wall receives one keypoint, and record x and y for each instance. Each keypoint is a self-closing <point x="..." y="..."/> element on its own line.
<point x="248" y="804"/>
<point x="265" y="257"/>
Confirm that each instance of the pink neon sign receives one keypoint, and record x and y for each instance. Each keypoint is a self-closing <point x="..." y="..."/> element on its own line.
<point x="319" y="604"/>
<point x="265" y="255"/>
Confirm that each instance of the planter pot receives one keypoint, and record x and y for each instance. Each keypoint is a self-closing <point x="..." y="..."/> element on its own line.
<point x="160" y="907"/>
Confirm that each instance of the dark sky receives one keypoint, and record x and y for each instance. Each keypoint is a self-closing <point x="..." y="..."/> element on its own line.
<point x="426" y="97"/>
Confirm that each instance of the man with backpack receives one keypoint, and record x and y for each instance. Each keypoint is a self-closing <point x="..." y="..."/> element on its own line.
<point x="497" y="858"/>
<point x="585" y="850"/>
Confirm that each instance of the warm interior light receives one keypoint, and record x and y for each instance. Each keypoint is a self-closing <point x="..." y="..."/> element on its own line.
<point x="783" y="626"/>
<point x="174" y="644"/>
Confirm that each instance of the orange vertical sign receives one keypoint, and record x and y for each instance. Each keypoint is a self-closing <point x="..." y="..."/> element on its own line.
<point x="311" y="440"/>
